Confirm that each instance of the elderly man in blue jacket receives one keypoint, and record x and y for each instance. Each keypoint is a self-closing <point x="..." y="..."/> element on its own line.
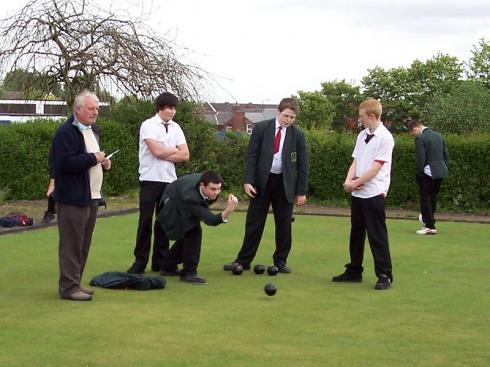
<point x="78" y="163"/>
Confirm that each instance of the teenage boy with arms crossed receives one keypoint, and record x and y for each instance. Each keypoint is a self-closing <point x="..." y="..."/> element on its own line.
<point x="162" y="144"/>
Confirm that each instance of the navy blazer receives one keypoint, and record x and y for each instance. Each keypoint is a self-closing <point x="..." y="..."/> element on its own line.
<point x="260" y="153"/>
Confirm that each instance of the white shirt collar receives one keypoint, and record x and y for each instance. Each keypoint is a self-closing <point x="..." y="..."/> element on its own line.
<point x="278" y="125"/>
<point x="202" y="194"/>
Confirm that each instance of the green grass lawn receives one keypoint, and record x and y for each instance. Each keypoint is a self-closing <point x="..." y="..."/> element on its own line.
<point x="436" y="314"/>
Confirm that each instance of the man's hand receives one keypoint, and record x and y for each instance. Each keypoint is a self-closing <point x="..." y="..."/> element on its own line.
<point x="100" y="156"/>
<point x="232" y="202"/>
<point x="352" y="185"/>
<point x="300" y="200"/>
<point x="250" y="190"/>
<point x="50" y="187"/>
<point x="106" y="164"/>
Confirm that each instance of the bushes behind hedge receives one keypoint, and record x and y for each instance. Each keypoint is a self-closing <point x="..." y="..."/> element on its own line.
<point x="24" y="172"/>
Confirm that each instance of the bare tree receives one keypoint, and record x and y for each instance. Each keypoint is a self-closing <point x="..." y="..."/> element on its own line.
<point x="77" y="45"/>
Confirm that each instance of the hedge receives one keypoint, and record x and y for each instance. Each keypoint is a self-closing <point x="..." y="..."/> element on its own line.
<point x="24" y="149"/>
<point x="466" y="189"/>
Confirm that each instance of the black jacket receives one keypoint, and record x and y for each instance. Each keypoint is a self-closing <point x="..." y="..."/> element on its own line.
<point x="184" y="207"/>
<point x="430" y="149"/>
<point x="260" y="153"/>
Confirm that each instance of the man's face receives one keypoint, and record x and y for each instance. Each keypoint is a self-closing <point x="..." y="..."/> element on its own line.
<point x="286" y="117"/>
<point x="415" y="131"/>
<point x="366" y="119"/>
<point x="167" y="113"/>
<point x="88" y="112"/>
<point x="212" y="190"/>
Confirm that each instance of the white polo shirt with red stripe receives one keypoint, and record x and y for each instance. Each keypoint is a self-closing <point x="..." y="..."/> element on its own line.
<point x="378" y="149"/>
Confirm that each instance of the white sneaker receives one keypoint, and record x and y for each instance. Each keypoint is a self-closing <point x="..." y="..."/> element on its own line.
<point x="420" y="220"/>
<point x="428" y="231"/>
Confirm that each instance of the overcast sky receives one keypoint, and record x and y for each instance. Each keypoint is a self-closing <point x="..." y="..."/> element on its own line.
<point x="263" y="50"/>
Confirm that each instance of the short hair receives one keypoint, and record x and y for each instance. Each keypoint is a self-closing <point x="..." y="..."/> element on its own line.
<point x="372" y="106"/>
<point x="411" y="123"/>
<point x="166" y="99"/>
<point x="80" y="98"/>
<point x="290" y="103"/>
<point x="211" y="177"/>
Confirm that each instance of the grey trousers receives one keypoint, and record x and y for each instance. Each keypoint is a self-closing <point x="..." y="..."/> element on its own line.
<point x="75" y="225"/>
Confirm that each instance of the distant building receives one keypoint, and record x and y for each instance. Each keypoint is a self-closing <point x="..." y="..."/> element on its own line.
<point x="236" y="116"/>
<point x="22" y="110"/>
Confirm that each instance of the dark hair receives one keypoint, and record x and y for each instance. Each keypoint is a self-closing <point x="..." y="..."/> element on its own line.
<point x="411" y="123"/>
<point x="290" y="103"/>
<point x="166" y="99"/>
<point x="210" y="177"/>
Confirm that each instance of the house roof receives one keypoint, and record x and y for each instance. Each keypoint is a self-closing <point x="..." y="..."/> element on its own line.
<point x="266" y="114"/>
<point x="224" y="112"/>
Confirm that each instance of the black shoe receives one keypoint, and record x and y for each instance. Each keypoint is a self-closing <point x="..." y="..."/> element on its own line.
<point x="135" y="269"/>
<point x="194" y="279"/>
<point x="170" y="272"/>
<point x="383" y="282"/>
<point x="229" y="267"/>
<point x="48" y="217"/>
<point x="347" y="277"/>
<point x="284" y="269"/>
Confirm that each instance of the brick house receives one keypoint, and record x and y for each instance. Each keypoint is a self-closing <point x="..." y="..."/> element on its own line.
<point x="235" y="116"/>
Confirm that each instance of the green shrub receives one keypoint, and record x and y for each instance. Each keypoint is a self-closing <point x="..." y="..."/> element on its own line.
<point x="123" y="174"/>
<point x="24" y="169"/>
<point x="25" y="148"/>
<point x="465" y="110"/>
<point x="4" y="195"/>
<point x="466" y="189"/>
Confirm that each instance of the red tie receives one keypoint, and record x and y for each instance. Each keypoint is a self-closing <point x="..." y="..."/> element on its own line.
<point x="277" y="140"/>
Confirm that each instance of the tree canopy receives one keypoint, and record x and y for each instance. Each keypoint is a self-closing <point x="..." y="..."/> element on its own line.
<point x="76" y="45"/>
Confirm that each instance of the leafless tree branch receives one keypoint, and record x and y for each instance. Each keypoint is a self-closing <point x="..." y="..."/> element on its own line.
<point x="80" y="46"/>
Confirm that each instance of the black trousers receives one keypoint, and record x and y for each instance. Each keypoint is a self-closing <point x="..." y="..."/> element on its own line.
<point x="258" y="208"/>
<point x="76" y="226"/>
<point x="428" y="190"/>
<point x="187" y="251"/>
<point x="368" y="215"/>
<point x="149" y="204"/>
<point x="51" y="204"/>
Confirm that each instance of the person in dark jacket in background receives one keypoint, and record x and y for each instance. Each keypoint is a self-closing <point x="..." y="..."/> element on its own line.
<point x="78" y="164"/>
<point x="432" y="160"/>
<point x="50" y="213"/>
<point x="185" y="204"/>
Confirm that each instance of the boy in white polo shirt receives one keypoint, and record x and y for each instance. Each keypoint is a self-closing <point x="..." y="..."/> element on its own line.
<point x="162" y="144"/>
<point x="368" y="181"/>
